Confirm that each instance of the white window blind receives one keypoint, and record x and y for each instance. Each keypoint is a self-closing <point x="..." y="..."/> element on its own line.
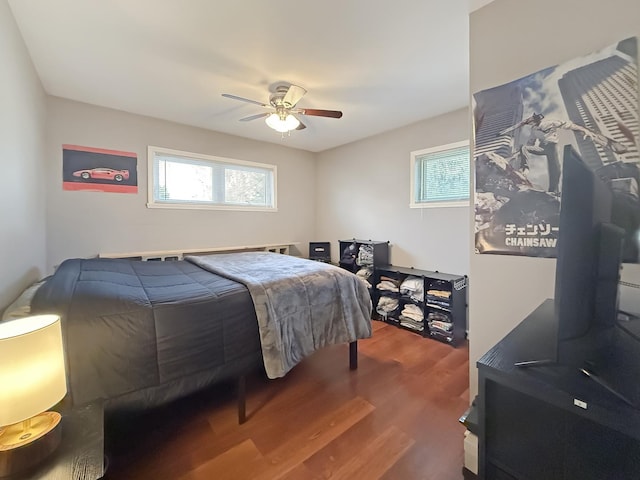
<point x="441" y="176"/>
<point x="188" y="180"/>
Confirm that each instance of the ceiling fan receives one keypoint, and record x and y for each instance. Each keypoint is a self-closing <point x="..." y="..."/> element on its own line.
<point x="282" y="103"/>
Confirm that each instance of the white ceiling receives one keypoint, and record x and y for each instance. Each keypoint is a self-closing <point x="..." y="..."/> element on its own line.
<point x="384" y="64"/>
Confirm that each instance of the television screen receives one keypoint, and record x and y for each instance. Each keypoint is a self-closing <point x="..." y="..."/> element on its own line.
<point x="590" y="251"/>
<point x="586" y="205"/>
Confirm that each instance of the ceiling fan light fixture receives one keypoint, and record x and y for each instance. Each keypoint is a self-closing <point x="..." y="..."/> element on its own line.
<point x="282" y="123"/>
<point x="283" y="100"/>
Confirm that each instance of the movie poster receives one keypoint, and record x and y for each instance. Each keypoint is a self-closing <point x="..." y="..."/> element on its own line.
<point x="99" y="170"/>
<point x="521" y="129"/>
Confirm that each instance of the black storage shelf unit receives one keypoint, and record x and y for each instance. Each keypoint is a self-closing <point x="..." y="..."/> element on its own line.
<point x="429" y="303"/>
<point x="361" y="257"/>
<point x="349" y="261"/>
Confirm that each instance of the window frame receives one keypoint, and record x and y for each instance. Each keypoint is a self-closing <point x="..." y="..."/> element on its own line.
<point x="415" y="155"/>
<point x="204" y="158"/>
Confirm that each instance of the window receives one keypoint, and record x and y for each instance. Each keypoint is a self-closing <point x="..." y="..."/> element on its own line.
<point x="440" y="176"/>
<point x="191" y="180"/>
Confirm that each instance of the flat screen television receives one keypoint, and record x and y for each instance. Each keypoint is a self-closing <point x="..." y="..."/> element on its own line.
<point x="589" y="259"/>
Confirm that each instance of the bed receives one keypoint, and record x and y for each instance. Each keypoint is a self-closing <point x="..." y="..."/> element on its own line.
<point x="142" y="334"/>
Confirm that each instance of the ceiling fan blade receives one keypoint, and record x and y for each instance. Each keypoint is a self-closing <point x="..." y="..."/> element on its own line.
<point x="320" y="113"/>
<point x="242" y="99"/>
<point x="255" y="117"/>
<point x="293" y="96"/>
<point x="302" y="126"/>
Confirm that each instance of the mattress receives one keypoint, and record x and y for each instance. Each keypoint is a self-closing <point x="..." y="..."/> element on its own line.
<point x="148" y="331"/>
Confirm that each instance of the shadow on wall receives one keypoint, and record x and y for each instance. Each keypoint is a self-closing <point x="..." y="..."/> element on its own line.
<point x="13" y="291"/>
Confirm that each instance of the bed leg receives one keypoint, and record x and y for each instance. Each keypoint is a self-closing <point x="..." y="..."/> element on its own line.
<point x="353" y="355"/>
<point x="242" y="399"/>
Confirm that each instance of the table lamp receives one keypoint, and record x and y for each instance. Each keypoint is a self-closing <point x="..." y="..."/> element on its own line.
<point x="32" y="379"/>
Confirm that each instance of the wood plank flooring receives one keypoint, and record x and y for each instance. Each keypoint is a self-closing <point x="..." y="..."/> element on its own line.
<point x="396" y="417"/>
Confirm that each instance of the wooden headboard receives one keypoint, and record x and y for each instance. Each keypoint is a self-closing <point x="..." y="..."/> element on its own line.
<point x="162" y="255"/>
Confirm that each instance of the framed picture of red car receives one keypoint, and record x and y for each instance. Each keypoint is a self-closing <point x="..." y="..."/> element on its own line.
<point x="99" y="169"/>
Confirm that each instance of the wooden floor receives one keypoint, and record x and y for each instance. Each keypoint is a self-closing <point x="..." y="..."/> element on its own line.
<point x="396" y="417"/>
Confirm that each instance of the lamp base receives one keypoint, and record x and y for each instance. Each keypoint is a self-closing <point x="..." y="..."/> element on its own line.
<point x="25" y="444"/>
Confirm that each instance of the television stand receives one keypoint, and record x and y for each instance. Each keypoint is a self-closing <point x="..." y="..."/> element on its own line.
<point x="550" y="420"/>
<point x="605" y="356"/>
<point x="603" y="383"/>
<point x="585" y="370"/>
<point x="534" y="363"/>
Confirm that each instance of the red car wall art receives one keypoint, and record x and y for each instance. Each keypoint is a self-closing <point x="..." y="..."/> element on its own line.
<point x="99" y="170"/>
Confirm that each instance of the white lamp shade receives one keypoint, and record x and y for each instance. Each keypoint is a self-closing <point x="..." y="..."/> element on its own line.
<point x="282" y="125"/>
<point x="32" y="371"/>
<point x="292" y="122"/>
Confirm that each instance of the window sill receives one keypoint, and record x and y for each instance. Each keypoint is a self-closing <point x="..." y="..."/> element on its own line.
<point x="192" y="206"/>
<point x="440" y="205"/>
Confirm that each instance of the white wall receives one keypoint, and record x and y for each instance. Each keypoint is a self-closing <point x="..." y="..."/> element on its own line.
<point x="508" y="40"/>
<point x="363" y="192"/>
<point x="81" y="224"/>
<point x="22" y="117"/>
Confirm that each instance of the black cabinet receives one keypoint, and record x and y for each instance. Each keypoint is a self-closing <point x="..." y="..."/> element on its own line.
<point x="432" y="304"/>
<point x="80" y="455"/>
<point x="320" y="251"/>
<point x="549" y="422"/>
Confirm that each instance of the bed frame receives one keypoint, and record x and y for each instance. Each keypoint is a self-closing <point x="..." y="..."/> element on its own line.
<point x="241" y="383"/>
<point x="170" y="255"/>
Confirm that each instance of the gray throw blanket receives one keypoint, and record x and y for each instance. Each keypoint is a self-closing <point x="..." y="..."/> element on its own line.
<point x="301" y="305"/>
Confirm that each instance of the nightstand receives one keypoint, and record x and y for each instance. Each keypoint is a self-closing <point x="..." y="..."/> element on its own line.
<point x="80" y="455"/>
